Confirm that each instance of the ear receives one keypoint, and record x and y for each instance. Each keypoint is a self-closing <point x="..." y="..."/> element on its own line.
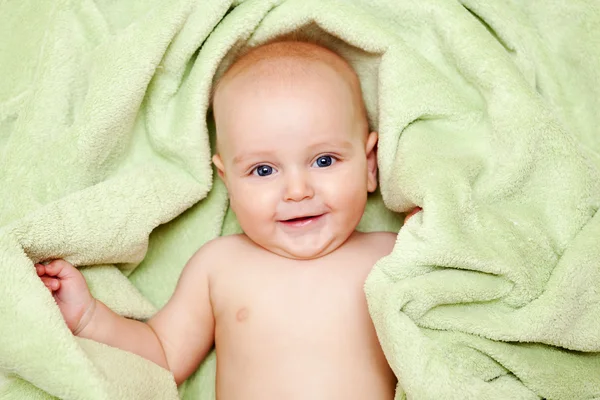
<point x="371" y="151"/>
<point x="220" y="166"/>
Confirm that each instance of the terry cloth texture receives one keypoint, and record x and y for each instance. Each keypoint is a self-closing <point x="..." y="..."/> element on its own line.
<point x="488" y="119"/>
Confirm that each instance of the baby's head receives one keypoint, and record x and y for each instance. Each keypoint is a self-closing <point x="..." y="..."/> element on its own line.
<point x="294" y="147"/>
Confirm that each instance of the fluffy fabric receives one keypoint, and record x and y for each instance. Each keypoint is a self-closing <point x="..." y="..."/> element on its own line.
<point x="487" y="114"/>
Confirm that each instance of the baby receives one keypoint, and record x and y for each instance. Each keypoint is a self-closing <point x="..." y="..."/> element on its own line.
<point x="283" y="303"/>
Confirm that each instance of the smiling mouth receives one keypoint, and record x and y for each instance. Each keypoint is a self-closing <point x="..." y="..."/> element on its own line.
<point x="300" y="218"/>
<point x="301" y="221"/>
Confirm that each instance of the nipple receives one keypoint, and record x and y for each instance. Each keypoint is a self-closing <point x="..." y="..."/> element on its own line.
<point x="242" y="314"/>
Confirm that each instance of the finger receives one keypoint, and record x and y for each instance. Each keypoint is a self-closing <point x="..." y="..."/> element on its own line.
<point x="40" y="269"/>
<point x="59" y="269"/>
<point x="51" y="283"/>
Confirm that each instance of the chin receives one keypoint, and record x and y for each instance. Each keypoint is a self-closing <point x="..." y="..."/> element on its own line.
<point x="305" y="252"/>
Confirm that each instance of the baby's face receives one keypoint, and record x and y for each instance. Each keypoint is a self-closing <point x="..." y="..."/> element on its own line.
<point x="296" y="161"/>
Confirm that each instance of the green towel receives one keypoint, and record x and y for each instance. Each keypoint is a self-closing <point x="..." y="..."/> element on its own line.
<point x="487" y="114"/>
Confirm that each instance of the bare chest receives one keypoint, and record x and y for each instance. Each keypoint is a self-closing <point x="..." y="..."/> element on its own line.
<point x="297" y="334"/>
<point x="292" y="303"/>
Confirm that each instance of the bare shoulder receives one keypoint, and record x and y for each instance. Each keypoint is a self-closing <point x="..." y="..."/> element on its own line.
<point x="378" y="243"/>
<point x="222" y="243"/>
<point x="216" y="252"/>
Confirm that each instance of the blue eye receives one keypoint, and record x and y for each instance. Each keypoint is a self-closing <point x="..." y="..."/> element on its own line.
<point x="263" y="170"/>
<point x="324" y="161"/>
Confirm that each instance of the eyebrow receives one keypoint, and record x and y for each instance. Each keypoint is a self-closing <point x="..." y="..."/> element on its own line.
<point x="344" y="145"/>
<point x="242" y="158"/>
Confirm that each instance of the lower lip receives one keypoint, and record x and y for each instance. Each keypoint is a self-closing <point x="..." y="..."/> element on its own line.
<point x="301" y="223"/>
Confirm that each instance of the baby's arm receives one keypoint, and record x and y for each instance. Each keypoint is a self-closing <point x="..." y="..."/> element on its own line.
<point x="177" y="338"/>
<point x="91" y="319"/>
<point x="186" y="324"/>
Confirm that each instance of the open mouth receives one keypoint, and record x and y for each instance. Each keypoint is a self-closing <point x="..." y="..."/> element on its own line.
<point x="301" y="221"/>
<point x="300" y="218"/>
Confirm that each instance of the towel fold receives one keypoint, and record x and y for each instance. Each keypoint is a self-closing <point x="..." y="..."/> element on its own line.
<point x="487" y="116"/>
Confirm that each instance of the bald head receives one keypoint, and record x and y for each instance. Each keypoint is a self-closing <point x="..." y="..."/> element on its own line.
<point x="291" y="62"/>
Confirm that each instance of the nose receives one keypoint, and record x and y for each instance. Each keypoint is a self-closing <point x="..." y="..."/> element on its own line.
<point x="298" y="186"/>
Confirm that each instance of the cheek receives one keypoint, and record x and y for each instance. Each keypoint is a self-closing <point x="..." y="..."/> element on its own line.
<point x="251" y="202"/>
<point x="347" y="192"/>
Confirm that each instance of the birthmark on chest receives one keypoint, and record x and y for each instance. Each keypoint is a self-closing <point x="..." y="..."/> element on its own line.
<point x="242" y="314"/>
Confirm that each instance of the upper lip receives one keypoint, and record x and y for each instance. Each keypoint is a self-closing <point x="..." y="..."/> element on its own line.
<point x="302" y="216"/>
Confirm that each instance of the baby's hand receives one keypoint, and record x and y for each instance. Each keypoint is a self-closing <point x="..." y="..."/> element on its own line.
<point x="70" y="291"/>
